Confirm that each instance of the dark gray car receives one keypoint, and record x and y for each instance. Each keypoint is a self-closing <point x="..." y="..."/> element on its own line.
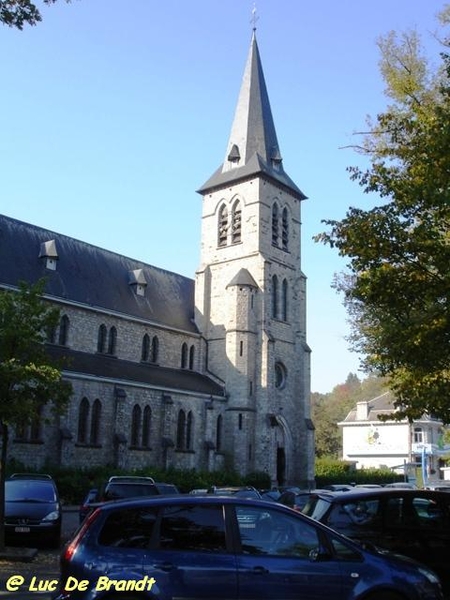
<point x="32" y="510"/>
<point x="415" y="523"/>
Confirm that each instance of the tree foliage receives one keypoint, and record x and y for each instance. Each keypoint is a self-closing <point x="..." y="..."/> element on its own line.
<point x="397" y="286"/>
<point x="28" y="378"/>
<point x="17" y="13"/>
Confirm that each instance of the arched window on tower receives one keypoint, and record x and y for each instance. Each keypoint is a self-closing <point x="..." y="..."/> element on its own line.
<point x="83" y="418"/>
<point x="95" y="422"/>
<point x="155" y="349"/>
<point x="275" y="224"/>
<point x="189" y="430"/>
<point x="112" y="341"/>
<point x="222" y="226"/>
<point x="285" y="230"/>
<point x="236" y="223"/>
<point x="136" y="425"/>
<point x="191" y="358"/>
<point x="275" y="297"/>
<point x="181" y="430"/>
<point x="219" y="433"/>
<point x="145" y="353"/>
<point x="184" y="356"/>
<point x="63" y="330"/>
<point x="146" y="427"/>
<point x="284" y="300"/>
<point x="101" y="340"/>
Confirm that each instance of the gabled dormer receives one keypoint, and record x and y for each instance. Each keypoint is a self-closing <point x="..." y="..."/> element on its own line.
<point x="49" y="254"/>
<point x="137" y="281"/>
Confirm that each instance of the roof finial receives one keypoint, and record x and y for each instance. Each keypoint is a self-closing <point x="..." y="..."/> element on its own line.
<point x="254" y="16"/>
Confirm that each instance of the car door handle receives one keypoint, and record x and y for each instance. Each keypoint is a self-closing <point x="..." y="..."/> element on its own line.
<point x="259" y="570"/>
<point x="165" y="566"/>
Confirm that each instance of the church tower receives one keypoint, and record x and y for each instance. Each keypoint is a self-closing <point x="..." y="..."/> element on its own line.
<point x="251" y="297"/>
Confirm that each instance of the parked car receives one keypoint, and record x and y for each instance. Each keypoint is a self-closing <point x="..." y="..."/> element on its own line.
<point x="32" y="510"/>
<point x="402" y="485"/>
<point x="295" y="499"/>
<point x="119" y="487"/>
<point x="246" y="491"/>
<point x="415" y="523"/>
<point x="225" y="547"/>
<point x="338" y="487"/>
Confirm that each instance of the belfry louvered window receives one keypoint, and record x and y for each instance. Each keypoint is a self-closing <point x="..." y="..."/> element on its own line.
<point x="236" y="223"/>
<point x="275" y="225"/>
<point x="285" y="230"/>
<point x="223" y="226"/>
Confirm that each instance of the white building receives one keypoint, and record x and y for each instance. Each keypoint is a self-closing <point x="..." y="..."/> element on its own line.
<point x="371" y="443"/>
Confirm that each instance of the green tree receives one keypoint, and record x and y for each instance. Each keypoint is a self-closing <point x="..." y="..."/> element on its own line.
<point x="28" y="379"/>
<point x="397" y="286"/>
<point x="17" y="13"/>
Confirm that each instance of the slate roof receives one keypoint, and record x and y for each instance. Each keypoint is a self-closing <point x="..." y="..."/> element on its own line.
<point x="109" y="367"/>
<point x="253" y="146"/>
<point x="376" y="406"/>
<point x="89" y="275"/>
<point x="381" y="405"/>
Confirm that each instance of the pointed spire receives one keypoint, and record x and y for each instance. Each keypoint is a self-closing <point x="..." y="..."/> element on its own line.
<point x="253" y="146"/>
<point x="253" y="130"/>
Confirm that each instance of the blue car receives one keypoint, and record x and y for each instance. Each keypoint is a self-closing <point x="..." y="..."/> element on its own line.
<point x="225" y="547"/>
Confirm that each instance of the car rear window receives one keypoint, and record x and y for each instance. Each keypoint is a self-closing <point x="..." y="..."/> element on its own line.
<point x="128" y="528"/>
<point x="196" y="528"/>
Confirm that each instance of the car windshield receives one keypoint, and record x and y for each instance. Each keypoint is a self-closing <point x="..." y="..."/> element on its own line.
<point x="29" y="491"/>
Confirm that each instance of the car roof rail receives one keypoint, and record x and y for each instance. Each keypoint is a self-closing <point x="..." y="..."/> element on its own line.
<point x="30" y="476"/>
<point x="130" y="479"/>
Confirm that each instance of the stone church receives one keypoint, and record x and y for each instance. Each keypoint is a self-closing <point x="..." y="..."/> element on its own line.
<point x="169" y="371"/>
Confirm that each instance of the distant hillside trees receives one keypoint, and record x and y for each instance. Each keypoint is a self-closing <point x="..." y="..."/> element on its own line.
<point x="329" y="409"/>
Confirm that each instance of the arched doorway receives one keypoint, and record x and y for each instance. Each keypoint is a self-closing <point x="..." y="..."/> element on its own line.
<point x="281" y="466"/>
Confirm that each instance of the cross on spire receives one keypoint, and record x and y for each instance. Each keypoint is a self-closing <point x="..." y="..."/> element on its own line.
<point x="254" y="16"/>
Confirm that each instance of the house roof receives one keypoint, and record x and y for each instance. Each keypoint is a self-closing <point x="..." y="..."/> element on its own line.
<point x="88" y="275"/>
<point x="380" y="405"/>
<point x="110" y="367"/>
<point x="253" y="146"/>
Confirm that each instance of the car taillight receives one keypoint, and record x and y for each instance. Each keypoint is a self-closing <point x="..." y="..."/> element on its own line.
<point x="72" y="546"/>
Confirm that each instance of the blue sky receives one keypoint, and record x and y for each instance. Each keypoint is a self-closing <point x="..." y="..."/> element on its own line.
<point x="114" y="112"/>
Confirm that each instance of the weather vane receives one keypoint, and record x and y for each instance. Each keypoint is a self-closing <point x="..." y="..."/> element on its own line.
<point x="254" y="16"/>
